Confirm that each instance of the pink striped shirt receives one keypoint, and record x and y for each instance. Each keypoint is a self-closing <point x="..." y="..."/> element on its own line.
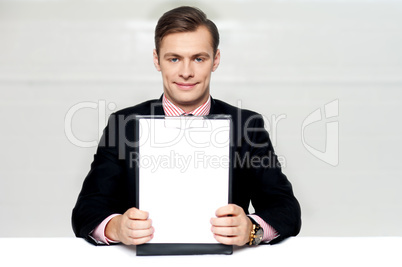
<point x="170" y="109"/>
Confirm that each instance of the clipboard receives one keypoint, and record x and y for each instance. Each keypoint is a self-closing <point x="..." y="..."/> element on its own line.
<point x="183" y="176"/>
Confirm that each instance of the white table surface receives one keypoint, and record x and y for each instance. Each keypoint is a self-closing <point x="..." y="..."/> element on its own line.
<point x="298" y="251"/>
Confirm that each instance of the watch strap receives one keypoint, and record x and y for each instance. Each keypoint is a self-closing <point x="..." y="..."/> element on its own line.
<point x="256" y="233"/>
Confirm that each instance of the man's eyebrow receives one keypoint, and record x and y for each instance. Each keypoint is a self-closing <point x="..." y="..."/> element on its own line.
<point x="201" y="54"/>
<point x="171" y="55"/>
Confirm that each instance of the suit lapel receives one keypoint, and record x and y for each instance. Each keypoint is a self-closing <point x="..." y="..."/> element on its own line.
<point x="214" y="108"/>
<point x="157" y="107"/>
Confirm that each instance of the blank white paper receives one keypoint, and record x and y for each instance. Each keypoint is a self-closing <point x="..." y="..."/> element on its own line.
<point x="183" y="176"/>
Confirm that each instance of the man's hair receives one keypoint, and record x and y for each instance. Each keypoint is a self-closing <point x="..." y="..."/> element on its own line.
<point x="184" y="19"/>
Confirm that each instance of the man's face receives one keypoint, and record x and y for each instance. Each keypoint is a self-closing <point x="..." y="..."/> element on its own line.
<point x="186" y="61"/>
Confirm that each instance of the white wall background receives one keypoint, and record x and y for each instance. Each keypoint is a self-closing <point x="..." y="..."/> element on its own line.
<point x="280" y="58"/>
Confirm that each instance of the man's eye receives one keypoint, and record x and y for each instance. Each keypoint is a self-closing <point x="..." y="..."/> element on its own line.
<point x="198" y="59"/>
<point x="174" y="60"/>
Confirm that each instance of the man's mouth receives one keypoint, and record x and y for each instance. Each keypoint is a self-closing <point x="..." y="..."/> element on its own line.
<point x="186" y="86"/>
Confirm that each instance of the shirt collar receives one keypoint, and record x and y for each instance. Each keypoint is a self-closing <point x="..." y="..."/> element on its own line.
<point x="171" y="109"/>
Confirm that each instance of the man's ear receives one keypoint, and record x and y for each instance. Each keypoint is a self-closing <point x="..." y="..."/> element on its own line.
<point x="217" y="60"/>
<point x="156" y="61"/>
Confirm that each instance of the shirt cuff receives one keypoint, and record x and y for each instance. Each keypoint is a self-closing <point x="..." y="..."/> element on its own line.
<point x="269" y="232"/>
<point x="98" y="234"/>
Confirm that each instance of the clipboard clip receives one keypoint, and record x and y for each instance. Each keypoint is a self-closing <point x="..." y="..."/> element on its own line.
<point x="185" y="122"/>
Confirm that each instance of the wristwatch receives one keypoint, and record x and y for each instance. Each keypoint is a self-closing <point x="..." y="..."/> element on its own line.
<point x="256" y="233"/>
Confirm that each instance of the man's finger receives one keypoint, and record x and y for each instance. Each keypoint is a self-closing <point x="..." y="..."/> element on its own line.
<point x="225" y="221"/>
<point x="228" y="210"/>
<point x="139" y="224"/>
<point x="138" y="241"/>
<point x="226" y="231"/>
<point x="137" y="234"/>
<point x="228" y="240"/>
<point x="136" y="214"/>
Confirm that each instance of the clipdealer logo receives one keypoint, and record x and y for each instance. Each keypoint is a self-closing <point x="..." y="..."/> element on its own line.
<point x="100" y="108"/>
<point x="328" y="113"/>
<point x="331" y="153"/>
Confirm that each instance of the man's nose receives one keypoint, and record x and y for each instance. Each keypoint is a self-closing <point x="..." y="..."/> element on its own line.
<point x="186" y="70"/>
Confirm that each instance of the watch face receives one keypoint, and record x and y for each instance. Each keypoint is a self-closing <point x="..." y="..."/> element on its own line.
<point x="259" y="233"/>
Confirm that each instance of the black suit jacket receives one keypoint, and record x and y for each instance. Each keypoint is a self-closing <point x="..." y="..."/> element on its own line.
<point x="110" y="184"/>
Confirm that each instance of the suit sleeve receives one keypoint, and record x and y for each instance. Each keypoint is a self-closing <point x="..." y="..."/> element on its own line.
<point x="102" y="193"/>
<point x="272" y="195"/>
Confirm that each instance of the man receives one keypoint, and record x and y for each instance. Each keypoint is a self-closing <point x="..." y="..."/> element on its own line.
<point x="186" y="54"/>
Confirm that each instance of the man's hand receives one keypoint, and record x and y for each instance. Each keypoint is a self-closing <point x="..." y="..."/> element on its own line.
<point x="131" y="228"/>
<point x="232" y="226"/>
